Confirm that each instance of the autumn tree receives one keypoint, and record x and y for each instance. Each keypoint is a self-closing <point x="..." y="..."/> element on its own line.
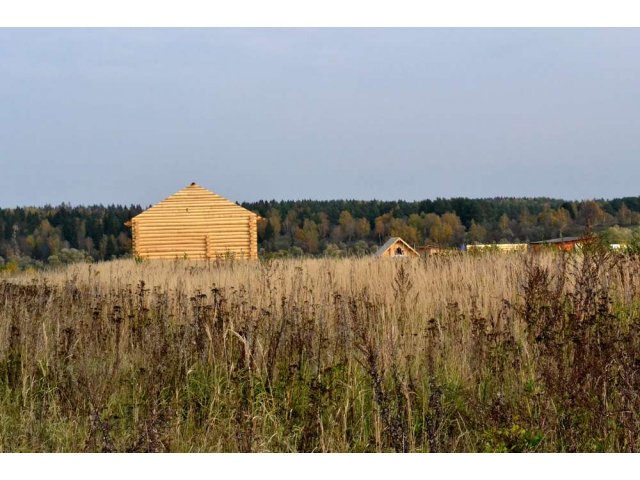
<point x="382" y="225"/>
<point x="441" y="233"/>
<point x="262" y="224"/>
<point x="526" y="224"/>
<point x="591" y="214"/>
<point x="477" y="233"/>
<point x="624" y="216"/>
<point x="44" y="241"/>
<point x="457" y="229"/>
<point x="347" y="224"/>
<point x="430" y="219"/>
<point x="336" y="234"/>
<point x="363" y="228"/>
<point x="418" y="222"/>
<point x="275" y="220"/>
<point x="561" y="220"/>
<point x="307" y="236"/>
<point x="324" y="225"/>
<point x="546" y="219"/>
<point x="290" y="221"/>
<point x="398" y="228"/>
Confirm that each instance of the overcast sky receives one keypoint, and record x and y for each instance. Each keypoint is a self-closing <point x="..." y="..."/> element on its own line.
<point x="131" y="116"/>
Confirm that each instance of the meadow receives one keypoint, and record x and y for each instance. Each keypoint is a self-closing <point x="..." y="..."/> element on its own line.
<point x="498" y="352"/>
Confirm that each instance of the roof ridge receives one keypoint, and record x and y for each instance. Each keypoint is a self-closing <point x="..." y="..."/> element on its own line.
<point x="388" y="244"/>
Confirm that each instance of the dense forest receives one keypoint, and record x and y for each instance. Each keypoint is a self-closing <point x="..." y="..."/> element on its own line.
<point x="36" y="236"/>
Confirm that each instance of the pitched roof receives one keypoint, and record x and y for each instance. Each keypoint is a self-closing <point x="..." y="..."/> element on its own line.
<point x="559" y="240"/>
<point x="388" y="245"/>
<point x="197" y="198"/>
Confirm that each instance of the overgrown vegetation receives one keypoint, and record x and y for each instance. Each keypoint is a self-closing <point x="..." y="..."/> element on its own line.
<point x="507" y="353"/>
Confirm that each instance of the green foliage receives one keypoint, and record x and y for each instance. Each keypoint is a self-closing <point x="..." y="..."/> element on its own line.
<point x="332" y="250"/>
<point x="359" y="249"/>
<point x="513" y="439"/>
<point x="67" y="256"/>
<point x="616" y="234"/>
<point x="42" y="233"/>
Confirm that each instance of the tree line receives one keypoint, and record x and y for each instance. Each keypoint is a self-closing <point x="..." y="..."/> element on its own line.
<point x="35" y="236"/>
<point x="357" y="227"/>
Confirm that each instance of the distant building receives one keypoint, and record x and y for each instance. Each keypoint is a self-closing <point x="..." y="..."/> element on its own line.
<point x="195" y="223"/>
<point x="428" y="250"/>
<point x="568" y="244"/>
<point x="501" y="247"/>
<point x="396" y="247"/>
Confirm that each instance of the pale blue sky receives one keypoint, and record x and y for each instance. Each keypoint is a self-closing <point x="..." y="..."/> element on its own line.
<point x="130" y="116"/>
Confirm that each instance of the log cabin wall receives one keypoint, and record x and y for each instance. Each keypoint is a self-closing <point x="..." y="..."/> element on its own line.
<point x="195" y="223"/>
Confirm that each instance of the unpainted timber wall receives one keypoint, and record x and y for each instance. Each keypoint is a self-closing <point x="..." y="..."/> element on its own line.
<point x="195" y="223"/>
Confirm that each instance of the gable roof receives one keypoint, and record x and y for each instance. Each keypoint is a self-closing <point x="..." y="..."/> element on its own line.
<point x="389" y="243"/>
<point x="560" y="240"/>
<point x="198" y="198"/>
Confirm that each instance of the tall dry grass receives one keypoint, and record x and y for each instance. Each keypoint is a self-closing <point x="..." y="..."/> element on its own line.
<point x="463" y="353"/>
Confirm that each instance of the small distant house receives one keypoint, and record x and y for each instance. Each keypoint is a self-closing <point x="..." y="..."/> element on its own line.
<point x="429" y="250"/>
<point x="396" y="247"/>
<point x="568" y="244"/>
<point x="195" y="223"/>
<point x="500" y="247"/>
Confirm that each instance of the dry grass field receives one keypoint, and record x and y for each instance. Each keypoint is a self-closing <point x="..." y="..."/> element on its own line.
<point x="491" y="352"/>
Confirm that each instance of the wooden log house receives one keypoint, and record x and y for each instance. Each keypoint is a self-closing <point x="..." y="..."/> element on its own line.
<point x="195" y="223"/>
<point x="396" y="247"/>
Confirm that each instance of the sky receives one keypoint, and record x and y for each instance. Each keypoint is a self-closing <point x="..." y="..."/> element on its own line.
<point x="122" y="116"/>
